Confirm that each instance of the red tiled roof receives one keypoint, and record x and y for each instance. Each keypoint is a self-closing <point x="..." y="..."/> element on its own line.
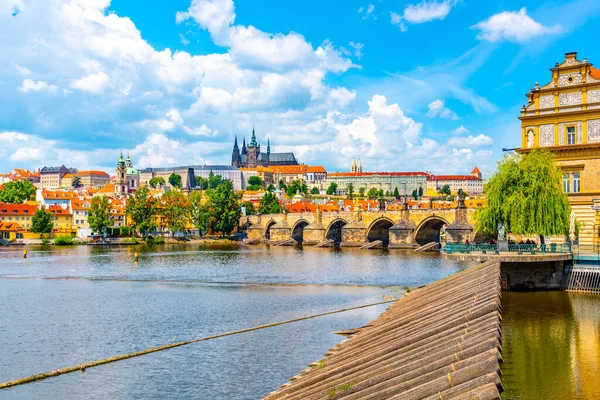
<point x="22" y="209"/>
<point x="316" y="168"/>
<point x="92" y="172"/>
<point x="9" y="226"/>
<point x="595" y="72"/>
<point x="349" y="174"/>
<point x="58" y="194"/>
<point x="476" y="170"/>
<point x="453" y="178"/>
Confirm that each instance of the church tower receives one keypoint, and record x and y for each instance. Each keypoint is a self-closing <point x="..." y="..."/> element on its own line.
<point x="121" y="177"/>
<point x="359" y="167"/>
<point x="252" y="152"/>
<point x="353" y="166"/>
<point x="236" y="159"/>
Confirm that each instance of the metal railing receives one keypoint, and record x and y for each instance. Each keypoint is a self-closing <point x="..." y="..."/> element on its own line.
<point x="451" y="248"/>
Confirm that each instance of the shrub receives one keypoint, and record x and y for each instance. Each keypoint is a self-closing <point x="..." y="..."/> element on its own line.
<point x="63" y="240"/>
<point x="159" y="240"/>
<point x="130" y="240"/>
<point x="45" y="241"/>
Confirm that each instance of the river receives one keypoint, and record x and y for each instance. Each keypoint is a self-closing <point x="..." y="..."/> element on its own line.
<point x="66" y="305"/>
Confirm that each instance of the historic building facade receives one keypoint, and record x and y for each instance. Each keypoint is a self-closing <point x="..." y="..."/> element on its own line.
<point x="563" y="116"/>
<point x="471" y="184"/>
<point x="251" y="157"/>
<point x="127" y="179"/>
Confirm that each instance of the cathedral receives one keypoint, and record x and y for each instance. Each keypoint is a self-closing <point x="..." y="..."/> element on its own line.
<point x="251" y="156"/>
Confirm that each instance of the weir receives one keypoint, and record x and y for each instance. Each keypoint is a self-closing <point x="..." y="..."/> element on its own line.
<point x="441" y="341"/>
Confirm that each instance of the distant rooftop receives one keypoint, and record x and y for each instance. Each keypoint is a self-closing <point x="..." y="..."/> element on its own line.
<point x="195" y="167"/>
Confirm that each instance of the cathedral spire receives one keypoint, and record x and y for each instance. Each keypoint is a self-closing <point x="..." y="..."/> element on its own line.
<point x="268" y="146"/>
<point x="253" y="140"/>
<point x="244" y="147"/>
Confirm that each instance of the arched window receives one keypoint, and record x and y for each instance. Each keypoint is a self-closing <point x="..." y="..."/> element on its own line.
<point x="530" y="138"/>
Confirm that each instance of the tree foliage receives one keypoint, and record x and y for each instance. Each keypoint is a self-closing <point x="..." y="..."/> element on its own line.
<point x="420" y="191"/>
<point x="199" y="212"/>
<point x="201" y="183"/>
<point x="332" y="188"/>
<point x="373" y="193"/>
<point x="255" y="183"/>
<point x="41" y="222"/>
<point x="415" y="194"/>
<point x="314" y="190"/>
<point x="175" y="180"/>
<point x="158" y="181"/>
<point x="174" y="207"/>
<point x="214" y="180"/>
<point x="350" y="191"/>
<point x="269" y="204"/>
<point x="446" y="190"/>
<point x="17" y="192"/>
<point x="296" y="186"/>
<point x="225" y="211"/>
<point x="141" y="210"/>
<point x="396" y="192"/>
<point x="249" y="207"/>
<point x="361" y="192"/>
<point x="526" y="195"/>
<point x="271" y="187"/>
<point x="98" y="218"/>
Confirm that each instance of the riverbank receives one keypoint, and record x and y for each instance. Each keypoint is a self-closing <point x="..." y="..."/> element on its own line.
<point x="132" y="241"/>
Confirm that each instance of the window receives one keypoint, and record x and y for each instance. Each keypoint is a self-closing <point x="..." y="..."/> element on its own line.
<point x="571" y="135"/>
<point x="576" y="181"/>
<point x="566" y="183"/>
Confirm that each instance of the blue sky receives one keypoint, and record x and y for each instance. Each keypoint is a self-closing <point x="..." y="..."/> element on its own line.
<point x="432" y="85"/>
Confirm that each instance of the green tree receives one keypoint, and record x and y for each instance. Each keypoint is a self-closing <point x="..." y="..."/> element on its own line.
<point x="269" y="204"/>
<point x="387" y="193"/>
<point x="225" y="211"/>
<point x="175" y="180"/>
<point x="526" y="195"/>
<point x="76" y="182"/>
<point x="199" y="212"/>
<point x="350" y="191"/>
<point x="17" y="192"/>
<point x="141" y="210"/>
<point x="175" y="210"/>
<point x="214" y="180"/>
<point x="373" y="193"/>
<point x="446" y="190"/>
<point x="249" y="207"/>
<point x="420" y="191"/>
<point x="255" y="183"/>
<point x="361" y="192"/>
<point x="332" y="188"/>
<point x="98" y="217"/>
<point x="396" y="192"/>
<point x="201" y="183"/>
<point x="296" y="186"/>
<point x="271" y="188"/>
<point x="41" y="222"/>
<point x="314" y="190"/>
<point x="158" y="181"/>
<point x="415" y="194"/>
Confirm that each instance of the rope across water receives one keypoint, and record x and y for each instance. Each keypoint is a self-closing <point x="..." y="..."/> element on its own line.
<point x="91" y="364"/>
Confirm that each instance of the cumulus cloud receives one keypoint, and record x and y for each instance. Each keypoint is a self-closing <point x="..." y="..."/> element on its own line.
<point x="471" y="141"/>
<point x="513" y="26"/>
<point x="437" y="108"/>
<point x="93" y="83"/>
<point x="425" y="11"/>
<point x="367" y="12"/>
<point x="461" y="130"/>
<point x="30" y="85"/>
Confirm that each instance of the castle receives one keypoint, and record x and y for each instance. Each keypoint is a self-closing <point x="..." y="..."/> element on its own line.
<point x="251" y="157"/>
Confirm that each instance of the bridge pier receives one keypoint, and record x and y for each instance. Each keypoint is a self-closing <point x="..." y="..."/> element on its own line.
<point x="354" y="233"/>
<point x="281" y="230"/>
<point x="402" y="234"/>
<point x="315" y="232"/>
<point x="460" y="230"/>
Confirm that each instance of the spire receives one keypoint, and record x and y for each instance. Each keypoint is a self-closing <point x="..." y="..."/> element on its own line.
<point x="253" y="140"/>
<point x="121" y="161"/>
<point x="353" y="165"/>
<point x="359" y="166"/>
<point x="244" y="147"/>
<point x="268" y="146"/>
<point x="235" y="143"/>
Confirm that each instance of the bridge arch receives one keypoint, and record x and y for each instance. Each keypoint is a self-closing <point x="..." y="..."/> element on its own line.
<point x="334" y="230"/>
<point x="380" y="230"/>
<point x="429" y="230"/>
<point x="298" y="230"/>
<point x="268" y="229"/>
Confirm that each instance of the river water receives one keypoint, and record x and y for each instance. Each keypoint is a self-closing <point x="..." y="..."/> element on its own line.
<point x="64" y="306"/>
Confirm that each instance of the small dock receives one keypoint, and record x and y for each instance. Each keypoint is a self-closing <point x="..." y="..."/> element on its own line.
<point x="441" y="341"/>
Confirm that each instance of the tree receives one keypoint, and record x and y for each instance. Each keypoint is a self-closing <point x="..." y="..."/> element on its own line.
<point x="249" y="207"/>
<point x="199" y="212"/>
<point x="446" y="190"/>
<point x="396" y="193"/>
<point x="255" y="183"/>
<point x="41" y="222"/>
<point x="201" y="183"/>
<point x="76" y="182"/>
<point x="225" y="211"/>
<point x="380" y="193"/>
<point x="526" y="196"/>
<point x="17" y="192"/>
<point x="387" y="193"/>
<point x="420" y="191"/>
<point x="415" y="194"/>
<point x="296" y="186"/>
<point x="141" y="210"/>
<point x="271" y="188"/>
<point x="175" y="180"/>
<point x="332" y="188"/>
<point x="282" y="185"/>
<point x="214" y="180"/>
<point x="175" y="210"/>
<point x="158" y="181"/>
<point x="98" y="217"/>
<point x="269" y="204"/>
<point x="350" y="191"/>
<point x="373" y="193"/>
<point x="314" y="190"/>
<point x="361" y="192"/>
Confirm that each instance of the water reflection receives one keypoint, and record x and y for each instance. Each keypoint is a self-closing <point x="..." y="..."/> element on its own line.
<point x="551" y="346"/>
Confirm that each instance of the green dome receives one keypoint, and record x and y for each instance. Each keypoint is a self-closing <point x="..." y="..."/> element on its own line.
<point x="132" y="171"/>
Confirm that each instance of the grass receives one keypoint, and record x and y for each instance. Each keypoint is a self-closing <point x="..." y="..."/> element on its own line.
<point x="63" y="240"/>
<point x="130" y="240"/>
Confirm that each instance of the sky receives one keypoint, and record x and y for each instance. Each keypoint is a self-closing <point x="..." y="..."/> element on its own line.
<point x="434" y="85"/>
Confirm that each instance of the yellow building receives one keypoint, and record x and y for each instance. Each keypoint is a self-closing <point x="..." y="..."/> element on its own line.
<point x="94" y="179"/>
<point x="563" y="116"/>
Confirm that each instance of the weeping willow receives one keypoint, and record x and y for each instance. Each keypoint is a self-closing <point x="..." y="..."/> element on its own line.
<point x="526" y="195"/>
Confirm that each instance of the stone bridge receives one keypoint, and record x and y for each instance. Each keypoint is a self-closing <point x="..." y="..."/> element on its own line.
<point x="403" y="228"/>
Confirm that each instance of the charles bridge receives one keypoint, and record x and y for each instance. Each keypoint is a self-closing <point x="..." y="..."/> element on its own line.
<point x="403" y="228"/>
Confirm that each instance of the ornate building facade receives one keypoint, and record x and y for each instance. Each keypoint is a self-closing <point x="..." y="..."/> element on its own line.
<point x="127" y="179"/>
<point x="563" y="116"/>
<point x="252" y="157"/>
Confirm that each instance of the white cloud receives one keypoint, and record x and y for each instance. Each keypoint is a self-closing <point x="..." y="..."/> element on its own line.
<point x="93" y="83"/>
<point x="513" y="26"/>
<point x="425" y="11"/>
<point x="216" y="16"/>
<point x="461" y="130"/>
<point x="367" y="12"/>
<point x="29" y="85"/>
<point x="23" y="70"/>
<point x="437" y="108"/>
<point x="471" y="141"/>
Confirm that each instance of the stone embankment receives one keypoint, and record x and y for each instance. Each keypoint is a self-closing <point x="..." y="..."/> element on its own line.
<point x="442" y="341"/>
